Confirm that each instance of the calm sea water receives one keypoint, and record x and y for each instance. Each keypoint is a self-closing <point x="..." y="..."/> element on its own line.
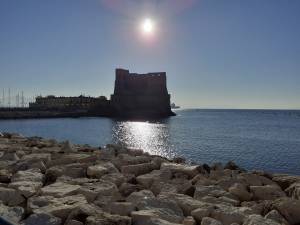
<point x="254" y="139"/>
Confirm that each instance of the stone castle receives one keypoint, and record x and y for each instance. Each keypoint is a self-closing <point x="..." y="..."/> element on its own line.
<point x="135" y="96"/>
<point x="141" y="94"/>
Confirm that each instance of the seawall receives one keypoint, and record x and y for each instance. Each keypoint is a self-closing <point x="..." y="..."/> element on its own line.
<point x="49" y="182"/>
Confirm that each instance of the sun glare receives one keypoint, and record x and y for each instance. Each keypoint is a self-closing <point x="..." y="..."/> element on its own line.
<point x="148" y="26"/>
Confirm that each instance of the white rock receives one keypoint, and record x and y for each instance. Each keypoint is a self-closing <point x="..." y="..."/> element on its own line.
<point x="108" y="219"/>
<point x="190" y="171"/>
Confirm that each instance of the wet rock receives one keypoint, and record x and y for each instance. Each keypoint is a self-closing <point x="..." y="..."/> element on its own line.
<point x="232" y="166"/>
<point x="12" y="214"/>
<point x="10" y="196"/>
<point x="267" y="192"/>
<point x="42" y="218"/>
<point x="240" y="191"/>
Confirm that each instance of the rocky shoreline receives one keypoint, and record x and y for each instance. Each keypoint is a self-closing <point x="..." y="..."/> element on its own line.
<point x="44" y="182"/>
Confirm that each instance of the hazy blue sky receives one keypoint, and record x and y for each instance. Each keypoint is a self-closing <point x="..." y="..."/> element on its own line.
<point x="217" y="53"/>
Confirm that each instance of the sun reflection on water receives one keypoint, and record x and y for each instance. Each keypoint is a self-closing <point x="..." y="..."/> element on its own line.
<point x="148" y="136"/>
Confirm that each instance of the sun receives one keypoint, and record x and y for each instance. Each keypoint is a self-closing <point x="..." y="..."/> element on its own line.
<point x="148" y="26"/>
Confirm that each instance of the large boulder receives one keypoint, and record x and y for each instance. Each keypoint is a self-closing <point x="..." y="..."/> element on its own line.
<point x="268" y="192"/>
<point x="190" y="171"/>
<point x="240" y="191"/>
<point x="105" y="218"/>
<point x="121" y="208"/>
<point x="98" y="190"/>
<point x="228" y="214"/>
<point x="42" y="218"/>
<point x="144" y="217"/>
<point x="210" y="221"/>
<point x="186" y="203"/>
<point x="294" y="190"/>
<point x="60" y="189"/>
<point x="275" y="215"/>
<point x="139" y="169"/>
<point x="156" y="175"/>
<point x="259" y="220"/>
<point x="10" y="196"/>
<point x="12" y="214"/>
<point x="289" y="208"/>
<point x="202" y="212"/>
<point x="59" y="207"/>
<point x="285" y="180"/>
<point x="137" y="197"/>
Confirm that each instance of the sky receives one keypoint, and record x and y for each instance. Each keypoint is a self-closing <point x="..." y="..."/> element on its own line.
<point x="217" y="53"/>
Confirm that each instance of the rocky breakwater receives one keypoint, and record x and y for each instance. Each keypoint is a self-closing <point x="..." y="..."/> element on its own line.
<point x="43" y="182"/>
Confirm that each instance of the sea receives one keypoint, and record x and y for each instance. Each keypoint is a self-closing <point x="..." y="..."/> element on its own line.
<point x="266" y="140"/>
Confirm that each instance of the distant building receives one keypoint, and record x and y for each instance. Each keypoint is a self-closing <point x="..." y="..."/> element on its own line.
<point x="81" y="102"/>
<point x="141" y="94"/>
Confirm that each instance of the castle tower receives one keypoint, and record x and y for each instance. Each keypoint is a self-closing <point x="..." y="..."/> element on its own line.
<point x="141" y="95"/>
